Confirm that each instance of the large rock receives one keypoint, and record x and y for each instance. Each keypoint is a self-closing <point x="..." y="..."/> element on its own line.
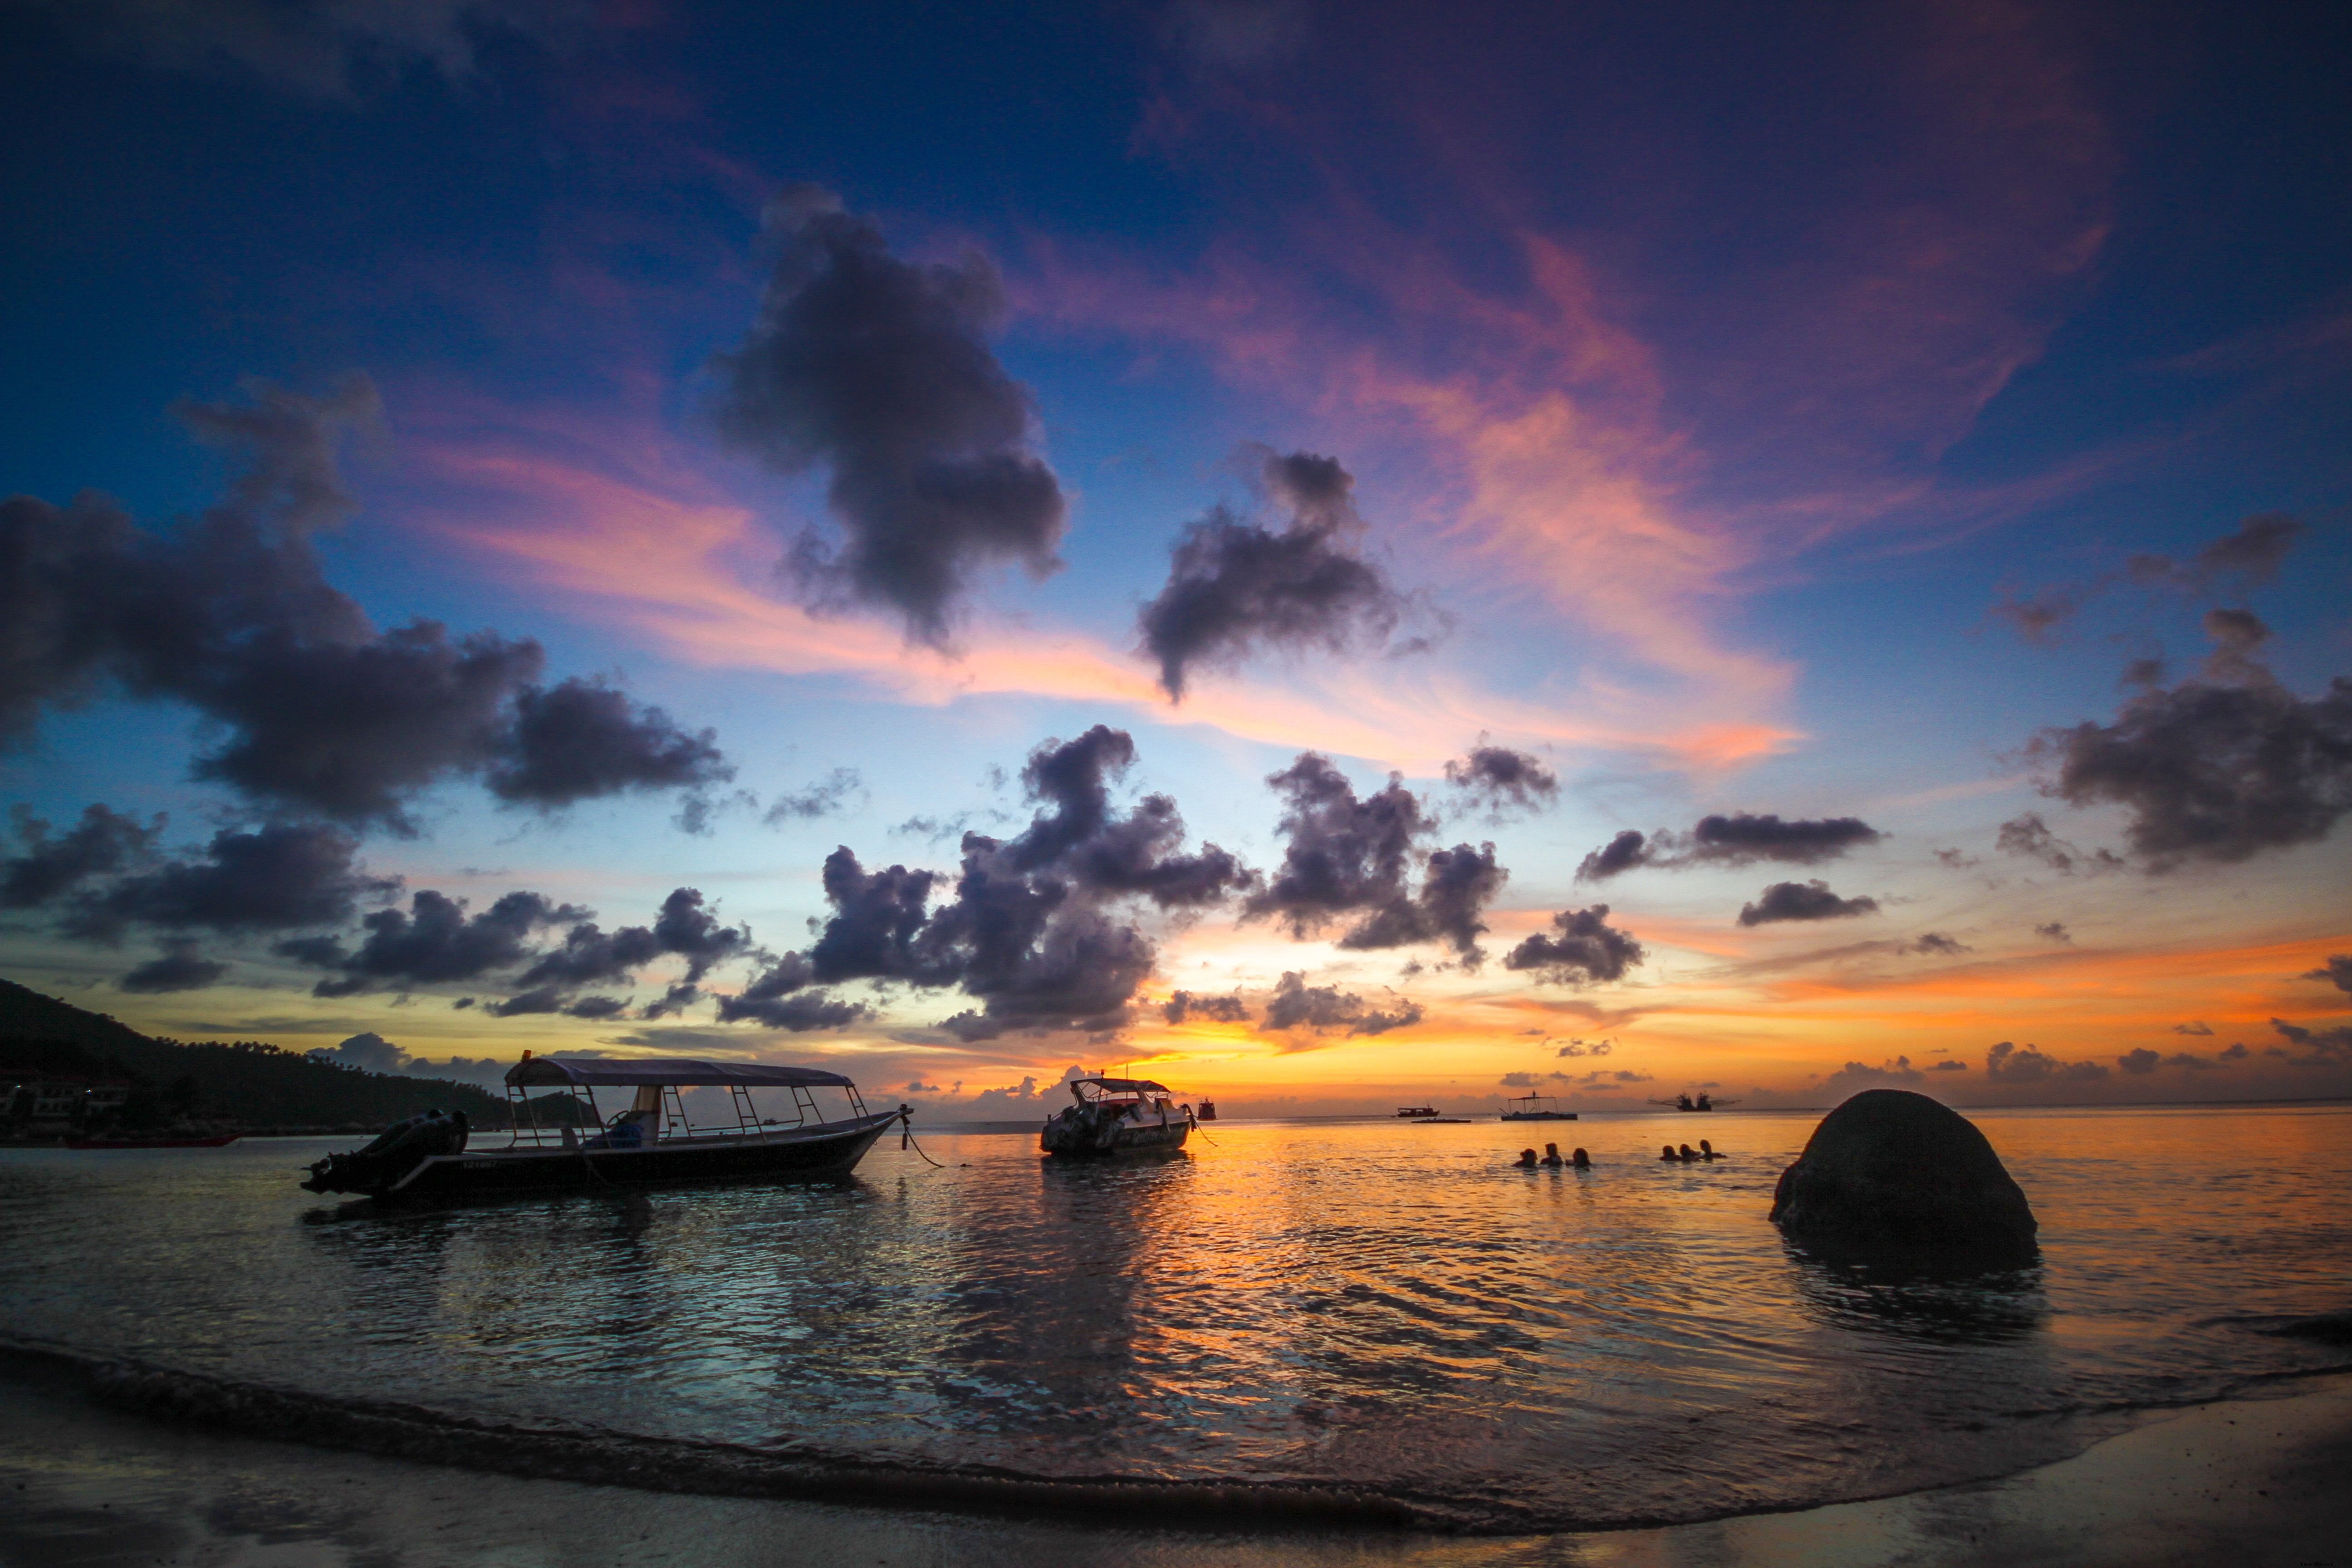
<point x="1890" y="1168"/>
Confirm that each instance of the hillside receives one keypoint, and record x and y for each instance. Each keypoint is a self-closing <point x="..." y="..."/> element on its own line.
<point x="250" y="1083"/>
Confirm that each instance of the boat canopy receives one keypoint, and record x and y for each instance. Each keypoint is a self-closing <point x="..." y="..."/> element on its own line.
<point x="637" y="1072"/>
<point x="1124" y="1085"/>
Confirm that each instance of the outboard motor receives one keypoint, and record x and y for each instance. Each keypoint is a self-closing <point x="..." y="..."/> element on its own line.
<point x="395" y="1151"/>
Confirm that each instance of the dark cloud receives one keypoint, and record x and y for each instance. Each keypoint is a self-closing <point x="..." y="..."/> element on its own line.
<point x="2053" y="930"/>
<point x="1499" y="778"/>
<point x="1319" y="1009"/>
<point x="179" y="968"/>
<point x="2237" y="1052"/>
<point x="2237" y="636"/>
<point x="2191" y="1028"/>
<point x="1802" y="902"/>
<point x="2038" y="618"/>
<point x="2029" y="837"/>
<point x="879" y="370"/>
<point x="2338" y="973"/>
<point x="685" y="928"/>
<point x="813" y="1010"/>
<point x="2140" y="1062"/>
<point x="1586" y="951"/>
<point x="2322" y="1048"/>
<point x="313" y="707"/>
<point x="2008" y="1063"/>
<point x="597" y="1007"/>
<point x="1032" y="928"/>
<point x="279" y="877"/>
<point x="1233" y="587"/>
<point x="1949" y="1065"/>
<point x="1183" y="1004"/>
<point x="681" y="996"/>
<point x="2252" y="555"/>
<point x="1954" y="860"/>
<point x="1585" y="1048"/>
<point x="433" y="942"/>
<point x="1346" y="856"/>
<point x="1855" y="1077"/>
<point x="348" y="49"/>
<point x="104" y="842"/>
<point x="2212" y="773"/>
<point x="1742" y="838"/>
<point x="825" y="798"/>
<point x="580" y="740"/>
<point x="1934" y="944"/>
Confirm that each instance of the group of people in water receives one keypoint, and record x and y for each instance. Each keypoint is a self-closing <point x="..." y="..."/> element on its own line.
<point x="1577" y="1159"/>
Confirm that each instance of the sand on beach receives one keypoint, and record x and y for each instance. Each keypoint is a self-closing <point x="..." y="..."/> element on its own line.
<point x="2255" y="1482"/>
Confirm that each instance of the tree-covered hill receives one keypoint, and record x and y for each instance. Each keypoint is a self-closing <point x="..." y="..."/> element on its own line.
<point x="248" y="1083"/>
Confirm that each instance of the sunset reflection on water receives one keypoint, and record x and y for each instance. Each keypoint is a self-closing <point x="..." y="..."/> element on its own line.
<point x="1386" y="1305"/>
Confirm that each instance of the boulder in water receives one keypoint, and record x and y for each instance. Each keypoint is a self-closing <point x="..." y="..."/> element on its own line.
<point x="1890" y="1168"/>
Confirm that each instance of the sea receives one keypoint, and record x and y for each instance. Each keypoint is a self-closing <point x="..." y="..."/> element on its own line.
<point x="1390" y="1309"/>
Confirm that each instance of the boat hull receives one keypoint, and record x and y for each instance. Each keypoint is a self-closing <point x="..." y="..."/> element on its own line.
<point x="816" y="1154"/>
<point x="1078" y="1137"/>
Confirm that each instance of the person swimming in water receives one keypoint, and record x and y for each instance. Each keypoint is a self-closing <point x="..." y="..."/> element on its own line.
<point x="1666" y="1151"/>
<point x="1579" y="1159"/>
<point x="1526" y="1161"/>
<point x="1707" y="1152"/>
<point x="1551" y="1156"/>
<point x="1687" y="1155"/>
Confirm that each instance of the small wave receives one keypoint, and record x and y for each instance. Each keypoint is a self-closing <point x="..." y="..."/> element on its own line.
<point x="677" y="1465"/>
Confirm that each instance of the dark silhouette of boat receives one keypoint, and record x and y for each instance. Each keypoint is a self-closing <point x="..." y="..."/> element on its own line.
<point x="1535" y="1108"/>
<point x="1208" y="1111"/>
<point x="651" y="1142"/>
<point x="1417" y="1113"/>
<point x="1117" y="1116"/>
<point x="1684" y="1102"/>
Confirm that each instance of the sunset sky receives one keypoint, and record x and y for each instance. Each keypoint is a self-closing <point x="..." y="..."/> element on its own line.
<point x="537" y="524"/>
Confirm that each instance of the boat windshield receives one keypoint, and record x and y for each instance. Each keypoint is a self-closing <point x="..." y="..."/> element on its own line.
<point x="553" y="1100"/>
<point x="1119" y="1091"/>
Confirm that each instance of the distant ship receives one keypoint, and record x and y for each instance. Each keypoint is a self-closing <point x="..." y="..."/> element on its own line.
<point x="1208" y="1111"/>
<point x="1535" y="1108"/>
<point x="1684" y="1102"/>
<point x="1415" y="1113"/>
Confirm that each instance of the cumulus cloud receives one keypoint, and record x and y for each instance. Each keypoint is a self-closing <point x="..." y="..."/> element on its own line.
<point x="2140" y="1062"/>
<point x="2321" y="1048"/>
<point x="371" y="1052"/>
<point x="1949" y="1064"/>
<point x="433" y="942"/>
<point x="313" y="707"/>
<point x="1581" y="949"/>
<point x="1586" y="1048"/>
<point x="1936" y="944"/>
<point x="103" y="842"/>
<point x="825" y="798"/>
<point x="589" y="955"/>
<point x="2029" y="838"/>
<point x="1802" y="902"/>
<point x="282" y="875"/>
<point x="879" y="370"/>
<point x="2008" y="1063"/>
<point x="1319" y="1009"/>
<point x="2053" y="930"/>
<point x="1855" y="1077"/>
<point x="2215" y="771"/>
<point x="2190" y="1028"/>
<point x="178" y="968"/>
<point x="1234" y="587"/>
<point x="1354" y="858"/>
<point x="2251" y="556"/>
<point x="2337" y="971"/>
<point x="1183" y="1005"/>
<point x="1742" y="838"/>
<point x="1034" y="929"/>
<point x="1500" y="779"/>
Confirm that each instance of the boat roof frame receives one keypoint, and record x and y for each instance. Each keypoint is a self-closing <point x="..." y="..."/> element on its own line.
<point x="639" y="1072"/>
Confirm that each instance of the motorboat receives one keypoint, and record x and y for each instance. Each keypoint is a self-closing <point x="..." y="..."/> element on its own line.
<point x="1117" y="1116"/>
<point x="1208" y="1111"/>
<point x="1535" y="1108"/>
<point x="1417" y="1113"/>
<point x="564" y="1137"/>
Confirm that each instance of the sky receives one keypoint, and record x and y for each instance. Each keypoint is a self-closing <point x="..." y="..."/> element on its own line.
<point x="1336" y="556"/>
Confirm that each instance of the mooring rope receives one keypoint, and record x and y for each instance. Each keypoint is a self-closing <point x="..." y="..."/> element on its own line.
<point x="907" y="1136"/>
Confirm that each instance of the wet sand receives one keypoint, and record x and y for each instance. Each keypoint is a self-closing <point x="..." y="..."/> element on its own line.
<point x="2254" y="1483"/>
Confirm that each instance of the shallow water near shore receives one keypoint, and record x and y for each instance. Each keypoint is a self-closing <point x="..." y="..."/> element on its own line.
<point x="1383" y="1306"/>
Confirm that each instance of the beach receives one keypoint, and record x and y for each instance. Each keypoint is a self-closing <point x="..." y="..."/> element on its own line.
<point x="2257" y="1481"/>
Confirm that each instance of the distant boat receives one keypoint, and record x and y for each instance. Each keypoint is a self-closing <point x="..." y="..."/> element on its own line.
<point x="1116" y="1116"/>
<point x="1535" y="1108"/>
<point x="1208" y="1111"/>
<point x="220" y="1141"/>
<point x="1416" y="1112"/>
<point x="1684" y="1102"/>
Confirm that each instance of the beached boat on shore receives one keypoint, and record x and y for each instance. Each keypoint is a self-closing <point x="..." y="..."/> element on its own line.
<point x="650" y="1143"/>
<point x="1117" y="1116"/>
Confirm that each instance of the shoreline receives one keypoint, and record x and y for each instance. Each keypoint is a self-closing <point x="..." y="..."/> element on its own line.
<point x="2257" y="1476"/>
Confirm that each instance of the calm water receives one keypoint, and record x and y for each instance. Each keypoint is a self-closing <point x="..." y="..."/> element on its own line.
<point x="1383" y="1305"/>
